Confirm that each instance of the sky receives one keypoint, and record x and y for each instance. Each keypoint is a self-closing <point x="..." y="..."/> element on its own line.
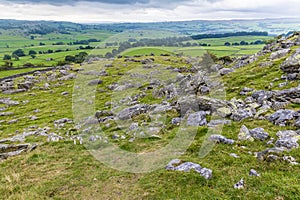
<point x="99" y="11"/>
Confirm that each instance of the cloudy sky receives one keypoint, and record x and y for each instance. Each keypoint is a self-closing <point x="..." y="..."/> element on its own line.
<point x="91" y="11"/>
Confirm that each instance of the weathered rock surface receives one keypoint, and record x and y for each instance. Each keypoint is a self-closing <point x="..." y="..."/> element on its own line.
<point x="197" y="119"/>
<point x="292" y="64"/>
<point x="188" y="166"/>
<point x="133" y="111"/>
<point x="279" y="54"/>
<point x="221" y="139"/>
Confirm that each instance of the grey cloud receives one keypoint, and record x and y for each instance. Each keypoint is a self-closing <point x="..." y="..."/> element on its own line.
<point x="70" y="2"/>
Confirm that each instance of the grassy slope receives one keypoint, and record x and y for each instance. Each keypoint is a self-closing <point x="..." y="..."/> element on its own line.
<point x="6" y="73"/>
<point x="197" y="51"/>
<point x="64" y="171"/>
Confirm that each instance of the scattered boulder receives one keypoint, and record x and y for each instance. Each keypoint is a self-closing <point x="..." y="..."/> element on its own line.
<point x="292" y="64"/>
<point x="95" y="82"/>
<point x="9" y="102"/>
<point x="287" y="142"/>
<point x="133" y="111"/>
<point x="7" y="150"/>
<point x="188" y="166"/>
<point x="239" y="185"/>
<point x="279" y="54"/>
<point x="241" y="114"/>
<point x="281" y="117"/>
<point x="214" y="123"/>
<point x="197" y="119"/>
<point x="221" y="139"/>
<point x="225" y="71"/>
<point x="253" y="173"/>
<point x="245" y="134"/>
<point x="259" y="134"/>
<point x="176" y="121"/>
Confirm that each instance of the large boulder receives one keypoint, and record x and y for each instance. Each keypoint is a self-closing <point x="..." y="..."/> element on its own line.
<point x="221" y="139"/>
<point x="197" y="119"/>
<point x="225" y="71"/>
<point x="292" y="64"/>
<point x="281" y="117"/>
<point x="188" y="166"/>
<point x="241" y="114"/>
<point x="279" y="54"/>
<point x="288" y="142"/>
<point x="259" y="134"/>
<point x="133" y="111"/>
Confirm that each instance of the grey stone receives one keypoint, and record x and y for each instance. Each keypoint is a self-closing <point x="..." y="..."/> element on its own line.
<point x="287" y="142"/>
<point x="234" y="155"/>
<point x="290" y="160"/>
<point x="225" y="71"/>
<point x="253" y="173"/>
<point x="239" y="185"/>
<point x="291" y="64"/>
<point x="221" y="139"/>
<point x="246" y="91"/>
<point x="214" y="123"/>
<point x="287" y="134"/>
<point x="176" y="121"/>
<point x="224" y="112"/>
<point x="197" y="119"/>
<point x="161" y="108"/>
<point x="14" y="91"/>
<point x="264" y="155"/>
<point x="279" y="54"/>
<point x="259" y="134"/>
<point x="6" y="113"/>
<point x="241" y="114"/>
<point x="281" y="117"/>
<point x="8" y="102"/>
<point x="95" y="82"/>
<point x="244" y="134"/>
<point x="133" y="111"/>
<point x="188" y="166"/>
<point x="261" y="96"/>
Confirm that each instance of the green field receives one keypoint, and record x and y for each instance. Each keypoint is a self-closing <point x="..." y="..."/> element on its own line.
<point x="13" y="40"/>
<point x="146" y="51"/>
<point x="196" y="51"/>
<point x="6" y="73"/>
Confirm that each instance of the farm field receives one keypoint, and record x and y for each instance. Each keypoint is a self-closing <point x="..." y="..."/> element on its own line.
<point x="219" y="51"/>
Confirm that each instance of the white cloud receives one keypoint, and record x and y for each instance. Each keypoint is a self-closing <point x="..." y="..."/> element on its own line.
<point x="152" y="11"/>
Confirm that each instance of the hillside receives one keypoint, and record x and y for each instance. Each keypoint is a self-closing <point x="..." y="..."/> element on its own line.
<point x="155" y="127"/>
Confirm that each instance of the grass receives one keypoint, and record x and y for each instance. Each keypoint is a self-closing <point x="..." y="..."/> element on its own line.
<point x="6" y="73"/>
<point x="145" y="51"/>
<point x="62" y="170"/>
<point x="219" y="51"/>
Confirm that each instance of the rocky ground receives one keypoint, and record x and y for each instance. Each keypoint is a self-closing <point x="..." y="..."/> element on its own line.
<point x="142" y="102"/>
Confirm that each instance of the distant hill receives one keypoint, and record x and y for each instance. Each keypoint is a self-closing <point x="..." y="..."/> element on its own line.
<point x="272" y="26"/>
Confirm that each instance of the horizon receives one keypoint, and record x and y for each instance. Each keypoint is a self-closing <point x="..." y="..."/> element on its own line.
<point x="148" y="22"/>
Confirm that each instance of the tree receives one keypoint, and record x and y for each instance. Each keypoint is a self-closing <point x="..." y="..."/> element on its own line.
<point x="227" y="44"/>
<point x="19" y="53"/>
<point x="32" y="37"/>
<point x="7" y="57"/>
<point x="33" y="56"/>
<point x="15" y="57"/>
<point x="243" y="43"/>
<point x="70" y="58"/>
<point x="32" y="52"/>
